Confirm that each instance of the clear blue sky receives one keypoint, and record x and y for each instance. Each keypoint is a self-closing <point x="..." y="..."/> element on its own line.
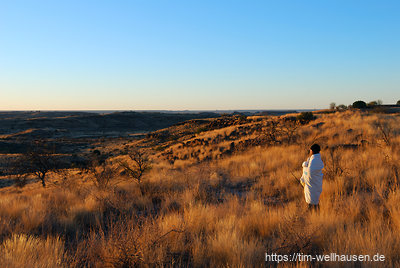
<point x="197" y="54"/>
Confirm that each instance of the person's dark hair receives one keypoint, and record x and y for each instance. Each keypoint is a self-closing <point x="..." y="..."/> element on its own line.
<point x="315" y="148"/>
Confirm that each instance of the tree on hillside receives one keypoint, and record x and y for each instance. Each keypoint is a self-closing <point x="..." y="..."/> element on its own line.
<point x="341" y="107"/>
<point x="137" y="167"/>
<point x="359" y="104"/>
<point x="38" y="161"/>
<point x="398" y="102"/>
<point x="332" y="106"/>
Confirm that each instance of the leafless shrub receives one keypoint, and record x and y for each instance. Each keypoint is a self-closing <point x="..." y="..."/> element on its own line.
<point x="100" y="170"/>
<point x="295" y="236"/>
<point x="128" y="242"/>
<point x="20" y="180"/>
<point x="333" y="163"/>
<point x="139" y="165"/>
<point x="103" y="175"/>
<point x="289" y="128"/>
<point x="385" y="131"/>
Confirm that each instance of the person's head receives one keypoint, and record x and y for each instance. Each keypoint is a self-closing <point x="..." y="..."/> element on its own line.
<point x="315" y="149"/>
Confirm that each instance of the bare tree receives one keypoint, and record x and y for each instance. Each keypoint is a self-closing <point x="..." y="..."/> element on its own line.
<point x="334" y="164"/>
<point x="385" y="131"/>
<point x="38" y="161"/>
<point x="282" y="130"/>
<point x="288" y="128"/>
<point x="139" y="165"/>
<point x="103" y="175"/>
<point x="100" y="170"/>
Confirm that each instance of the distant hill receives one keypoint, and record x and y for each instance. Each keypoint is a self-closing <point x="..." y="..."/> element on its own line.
<point x="70" y="132"/>
<point x="76" y="124"/>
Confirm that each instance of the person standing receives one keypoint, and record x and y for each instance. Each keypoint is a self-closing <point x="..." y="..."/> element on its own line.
<point x="312" y="177"/>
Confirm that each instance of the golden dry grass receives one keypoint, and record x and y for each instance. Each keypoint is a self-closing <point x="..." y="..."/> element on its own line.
<point x="29" y="251"/>
<point x="227" y="212"/>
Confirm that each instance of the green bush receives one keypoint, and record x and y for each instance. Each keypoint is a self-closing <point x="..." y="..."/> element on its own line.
<point x="305" y="117"/>
<point x="359" y="104"/>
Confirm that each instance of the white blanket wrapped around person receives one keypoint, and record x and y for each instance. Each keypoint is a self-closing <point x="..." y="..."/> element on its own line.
<point x="312" y="178"/>
<point x="304" y="175"/>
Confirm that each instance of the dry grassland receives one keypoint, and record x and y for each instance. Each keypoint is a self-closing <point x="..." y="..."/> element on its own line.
<point x="219" y="207"/>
